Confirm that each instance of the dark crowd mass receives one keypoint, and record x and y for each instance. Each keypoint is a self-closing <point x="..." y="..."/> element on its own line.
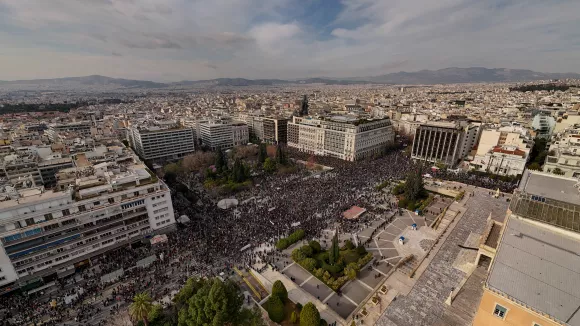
<point x="211" y="243"/>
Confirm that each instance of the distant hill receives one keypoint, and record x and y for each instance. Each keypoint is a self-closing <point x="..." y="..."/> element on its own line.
<point x="80" y="82"/>
<point x="466" y="75"/>
<point x="441" y="76"/>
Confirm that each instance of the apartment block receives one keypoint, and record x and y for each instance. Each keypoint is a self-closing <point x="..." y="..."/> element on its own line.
<point x="47" y="234"/>
<point x="167" y="142"/>
<point x="223" y="134"/>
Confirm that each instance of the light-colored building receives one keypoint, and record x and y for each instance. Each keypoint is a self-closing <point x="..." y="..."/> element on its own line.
<point x="503" y="151"/>
<point x="162" y="142"/>
<point x="80" y="129"/>
<point x="240" y="134"/>
<point x="543" y="125"/>
<point x="341" y="137"/>
<point x="46" y="234"/>
<point x="444" y="142"/>
<point x="564" y="153"/>
<point x="535" y="265"/>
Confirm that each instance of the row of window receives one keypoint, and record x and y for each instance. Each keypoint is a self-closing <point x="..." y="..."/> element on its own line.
<point x="163" y="222"/>
<point x="500" y="312"/>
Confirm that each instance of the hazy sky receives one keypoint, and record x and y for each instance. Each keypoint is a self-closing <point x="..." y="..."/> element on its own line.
<point x="170" y="40"/>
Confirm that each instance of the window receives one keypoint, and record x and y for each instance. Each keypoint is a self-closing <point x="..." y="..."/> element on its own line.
<point x="2" y="278"/>
<point x="535" y="324"/>
<point x="65" y="212"/>
<point x="29" y="221"/>
<point x="82" y="208"/>
<point x="48" y="216"/>
<point x="499" y="311"/>
<point x="136" y="193"/>
<point x="97" y="203"/>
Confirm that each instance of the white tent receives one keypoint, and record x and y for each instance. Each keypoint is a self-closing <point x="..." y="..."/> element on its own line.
<point x="183" y="219"/>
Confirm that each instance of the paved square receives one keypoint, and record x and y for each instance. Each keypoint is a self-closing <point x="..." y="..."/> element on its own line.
<point x="370" y="279"/>
<point x="355" y="291"/>
<point x="341" y="305"/>
<point x="298" y="273"/>
<point x="321" y="292"/>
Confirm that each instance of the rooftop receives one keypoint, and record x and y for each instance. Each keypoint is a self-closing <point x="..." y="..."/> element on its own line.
<point x="550" y="186"/>
<point x="539" y="267"/>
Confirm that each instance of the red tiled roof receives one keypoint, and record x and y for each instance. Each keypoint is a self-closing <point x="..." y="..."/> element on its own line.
<point x="499" y="149"/>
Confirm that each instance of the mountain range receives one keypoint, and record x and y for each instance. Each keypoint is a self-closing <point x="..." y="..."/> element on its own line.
<point x="423" y="77"/>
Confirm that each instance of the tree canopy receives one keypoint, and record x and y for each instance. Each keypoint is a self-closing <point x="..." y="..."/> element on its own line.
<point x="309" y="316"/>
<point x="213" y="302"/>
<point x="414" y="187"/>
<point x="141" y="307"/>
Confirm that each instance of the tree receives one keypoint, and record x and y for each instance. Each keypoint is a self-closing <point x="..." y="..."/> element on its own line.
<point x="281" y="156"/>
<point x="334" y="251"/>
<point x="307" y="250"/>
<point x="414" y="187"/>
<point x="558" y="171"/>
<point x="279" y="290"/>
<point x="350" y="271"/>
<point x="198" y="161"/>
<point x="275" y="308"/>
<point x="293" y="317"/>
<point x="245" y="152"/>
<point x="316" y="248"/>
<point x="309" y="316"/>
<point x="240" y="172"/>
<point x="213" y="302"/>
<point x="221" y="162"/>
<point x="269" y="165"/>
<point x="262" y="154"/>
<point x="534" y="166"/>
<point x="141" y="307"/>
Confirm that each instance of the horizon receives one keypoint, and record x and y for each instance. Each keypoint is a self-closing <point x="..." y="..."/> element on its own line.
<point x="359" y="78"/>
<point x="177" y="40"/>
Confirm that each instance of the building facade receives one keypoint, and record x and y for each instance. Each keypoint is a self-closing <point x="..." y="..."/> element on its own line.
<point x="162" y="144"/>
<point x="46" y="234"/>
<point x="533" y="273"/>
<point x="81" y="129"/>
<point x="343" y="138"/>
<point x="223" y="134"/>
<point x="564" y="154"/>
<point x="443" y="142"/>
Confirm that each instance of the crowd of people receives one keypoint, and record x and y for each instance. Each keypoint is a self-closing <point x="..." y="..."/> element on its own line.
<point x="217" y="239"/>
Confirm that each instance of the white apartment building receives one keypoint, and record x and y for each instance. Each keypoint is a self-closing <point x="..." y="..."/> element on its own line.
<point x="162" y="143"/>
<point x="445" y="142"/>
<point x="223" y="134"/>
<point x="341" y="137"/>
<point x="81" y="129"/>
<point x="46" y="234"/>
<point x="564" y="153"/>
<point x="503" y="151"/>
<point x="240" y="134"/>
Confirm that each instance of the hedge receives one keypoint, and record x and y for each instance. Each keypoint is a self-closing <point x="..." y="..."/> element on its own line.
<point x="284" y="243"/>
<point x="275" y="309"/>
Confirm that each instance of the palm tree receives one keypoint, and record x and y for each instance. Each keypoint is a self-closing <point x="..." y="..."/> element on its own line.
<point x="141" y="306"/>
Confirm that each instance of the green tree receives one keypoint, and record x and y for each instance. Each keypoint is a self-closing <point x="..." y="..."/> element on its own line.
<point x="214" y="302"/>
<point x="221" y="161"/>
<point x="558" y="171"/>
<point x="293" y="317"/>
<point x="262" y="154"/>
<point x="309" y="316"/>
<point x="414" y="187"/>
<point x="334" y="251"/>
<point x="351" y="271"/>
<point x="275" y="308"/>
<point x="309" y="264"/>
<point x="534" y="166"/>
<point x="269" y="165"/>
<point x="281" y="156"/>
<point x="141" y="307"/>
<point x="316" y="248"/>
<point x="240" y="172"/>
<point x="307" y="250"/>
<point x="279" y="290"/>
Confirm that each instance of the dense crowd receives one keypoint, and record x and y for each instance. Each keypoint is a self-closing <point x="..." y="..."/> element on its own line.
<point x="213" y="241"/>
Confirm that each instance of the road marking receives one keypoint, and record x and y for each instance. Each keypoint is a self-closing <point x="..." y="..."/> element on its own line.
<point x="411" y="216"/>
<point x="349" y="299"/>
<point x="308" y="279"/>
<point x="363" y="283"/>
<point x="328" y="297"/>
<point x="380" y="252"/>
<point x="285" y="268"/>
<point x="379" y="271"/>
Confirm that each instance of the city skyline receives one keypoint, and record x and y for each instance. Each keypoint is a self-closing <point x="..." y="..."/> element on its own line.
<point x="179" y="40"/>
